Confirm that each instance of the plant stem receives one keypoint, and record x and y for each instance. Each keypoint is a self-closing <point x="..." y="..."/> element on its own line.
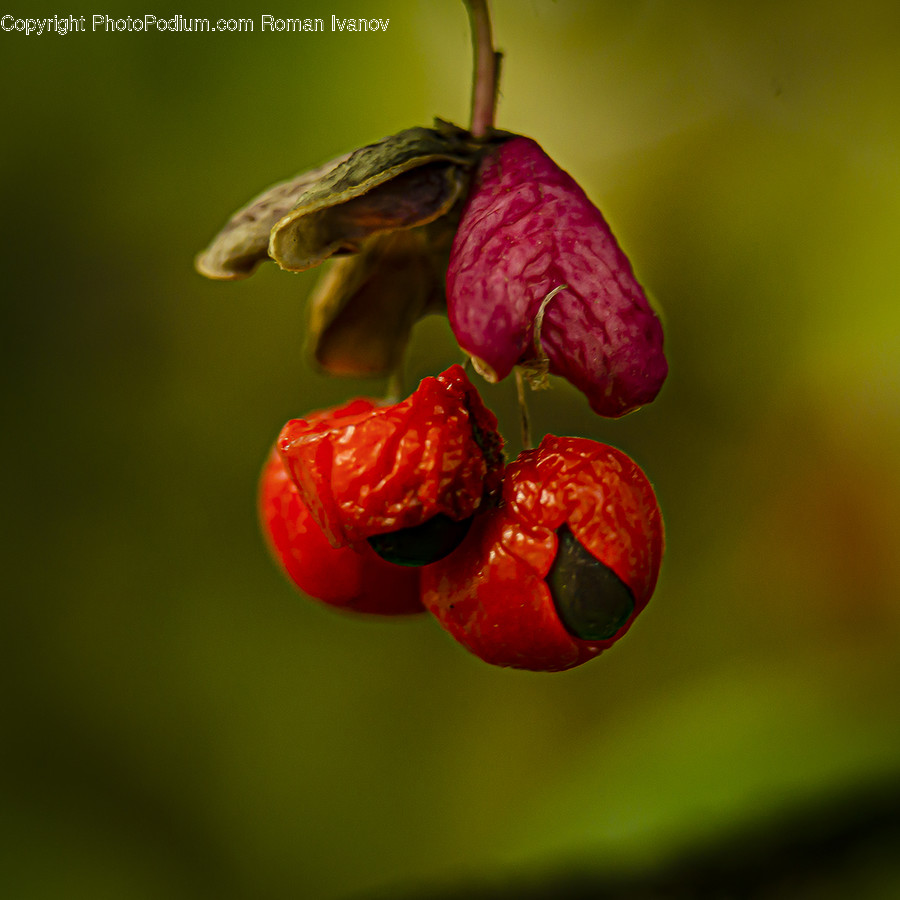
<point x="525" y="419"/>
<point x="485" y="78"/>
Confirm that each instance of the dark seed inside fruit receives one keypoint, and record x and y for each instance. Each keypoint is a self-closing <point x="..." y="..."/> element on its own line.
<point x="422" y="544"/>
<point x="591" y="600"/>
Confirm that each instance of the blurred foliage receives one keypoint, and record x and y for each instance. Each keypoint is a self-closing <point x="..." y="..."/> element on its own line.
<point x="177" y="722"/>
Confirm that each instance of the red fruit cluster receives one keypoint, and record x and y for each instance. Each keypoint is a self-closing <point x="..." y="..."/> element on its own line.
<point x="402" y="507"/>
<point x="396" y="509"/>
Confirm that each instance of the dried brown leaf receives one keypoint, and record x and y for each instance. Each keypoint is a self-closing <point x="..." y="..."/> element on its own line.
<point x="243" y="243"/>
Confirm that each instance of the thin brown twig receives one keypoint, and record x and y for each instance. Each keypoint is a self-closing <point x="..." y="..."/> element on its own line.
<point x="485" y="68"/>
<point x="525" y="418"/>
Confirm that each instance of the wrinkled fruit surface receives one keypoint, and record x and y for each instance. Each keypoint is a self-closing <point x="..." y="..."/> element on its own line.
<point x="357" y="580"/>
<point x="367" y="470"/>
<point x="559" y="570"/>
<point x="526" y="229"/>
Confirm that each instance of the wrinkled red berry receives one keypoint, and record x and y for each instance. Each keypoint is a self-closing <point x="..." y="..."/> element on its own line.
<point x="527" y="229"/>
<point x="367" y="471"/>
<point x="560" y="569"/>
<point x="354" y="579"/>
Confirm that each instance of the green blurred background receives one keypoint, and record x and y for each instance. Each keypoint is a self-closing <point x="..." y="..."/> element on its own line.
<point x="177" y="722"/>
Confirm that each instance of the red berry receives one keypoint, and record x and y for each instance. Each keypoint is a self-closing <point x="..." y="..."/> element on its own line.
<point x="560" y="569"/>
<point x="528" y="229"/>
<point x="404" y="477"/>
<point x="355" y="579"/>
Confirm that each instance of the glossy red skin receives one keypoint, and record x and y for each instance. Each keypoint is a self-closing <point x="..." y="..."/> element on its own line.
<point x="526" y="229"/>
<point x="357" y="580"/>
<point x="366" y="470"/>
<point x="490" y="594"/>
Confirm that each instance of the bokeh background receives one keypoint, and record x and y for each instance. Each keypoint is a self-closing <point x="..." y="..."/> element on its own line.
<point x="177" y="722"/>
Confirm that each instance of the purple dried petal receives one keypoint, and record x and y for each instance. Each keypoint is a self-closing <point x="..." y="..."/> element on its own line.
<point x="527" y="229"/>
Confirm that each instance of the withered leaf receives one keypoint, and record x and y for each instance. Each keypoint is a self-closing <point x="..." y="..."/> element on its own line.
<point x="364" y="307"/>
<point x="402" y="181"/>
<point x="244" y="241"/>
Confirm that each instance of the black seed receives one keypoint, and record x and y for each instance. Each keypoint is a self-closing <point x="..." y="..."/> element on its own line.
<point x="591" y="600"/>
<point x="421" y="544"/>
